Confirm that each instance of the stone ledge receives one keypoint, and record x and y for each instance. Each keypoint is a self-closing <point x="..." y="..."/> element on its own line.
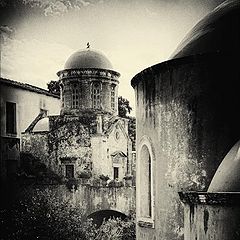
<point x="218" y="198"/>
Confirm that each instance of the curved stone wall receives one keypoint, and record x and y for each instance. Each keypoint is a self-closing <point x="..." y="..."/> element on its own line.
<point x="187" y="107"/>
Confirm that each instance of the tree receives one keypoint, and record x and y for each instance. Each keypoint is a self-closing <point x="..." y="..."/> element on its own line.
<point x="123" y="107"/>
<point x="132" y="131"/>
<point x="54" y="87"/>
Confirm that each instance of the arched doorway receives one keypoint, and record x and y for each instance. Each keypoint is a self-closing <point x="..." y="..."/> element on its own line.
<point x="99" y="216"/>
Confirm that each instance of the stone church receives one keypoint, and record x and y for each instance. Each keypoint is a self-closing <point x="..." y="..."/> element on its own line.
<point x="87" y="138"/>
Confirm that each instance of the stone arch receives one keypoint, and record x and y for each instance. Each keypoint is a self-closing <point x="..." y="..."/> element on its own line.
<point x="99" y="216"/>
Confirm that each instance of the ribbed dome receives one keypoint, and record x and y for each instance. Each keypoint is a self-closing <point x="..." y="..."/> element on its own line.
<point x="88" y="59"/>
<point x="217" y="32"/>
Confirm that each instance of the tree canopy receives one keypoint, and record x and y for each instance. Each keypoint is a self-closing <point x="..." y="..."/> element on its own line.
<point x="54" y="87"/>
<point x="124" y="107"/>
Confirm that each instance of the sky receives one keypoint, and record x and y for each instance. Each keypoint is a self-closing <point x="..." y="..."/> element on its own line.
<point x="38" y="36"/>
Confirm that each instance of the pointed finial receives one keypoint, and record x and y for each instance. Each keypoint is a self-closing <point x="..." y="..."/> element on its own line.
<point x="88" y="45"/>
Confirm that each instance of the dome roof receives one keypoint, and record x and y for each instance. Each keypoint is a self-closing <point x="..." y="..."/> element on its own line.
<point x="227" y="177"/>
<point x="88" y="59"/>
<point x="217" y="32"/>
<point x="42" y="125"/>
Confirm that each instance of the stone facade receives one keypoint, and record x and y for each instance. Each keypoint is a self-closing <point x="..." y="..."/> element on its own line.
<point x="87" y="139"/>
<point x="89" y="89"/>
<point x="79" y="142"/>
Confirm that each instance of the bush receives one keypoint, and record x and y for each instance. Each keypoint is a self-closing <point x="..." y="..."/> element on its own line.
<point x="85" y="174"/>
<point x="103" y="177"/>
<point x="40" y="213"/>
<point x="115" y="183"/>
<point x="116" y="229"/>
<point x="128" y="177"/>
<point x="72" y="183"/>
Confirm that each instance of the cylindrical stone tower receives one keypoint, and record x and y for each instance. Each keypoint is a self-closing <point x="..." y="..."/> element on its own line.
<point x="88" y="83"/>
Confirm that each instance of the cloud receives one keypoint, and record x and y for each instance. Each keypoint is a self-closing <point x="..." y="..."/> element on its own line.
<point x="32" y="61"/>
<point x="58" y="8"/>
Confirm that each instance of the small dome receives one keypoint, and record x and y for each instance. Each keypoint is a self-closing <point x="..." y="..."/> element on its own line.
<point x="88" y="59"/>
<point x="42" y="125"/>
<point x="227" y="177"/>
<point x="217" y="32"/>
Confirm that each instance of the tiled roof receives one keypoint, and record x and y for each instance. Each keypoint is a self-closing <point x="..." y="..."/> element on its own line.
<point x="27" y="87"/>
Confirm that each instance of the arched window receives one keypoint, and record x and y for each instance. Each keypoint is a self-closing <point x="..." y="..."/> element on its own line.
<point x="113" y="97"/>
<point x="146" y="175"/>
<point x="96" y="95"/>
<point x="145" y="179"/>
<point x="75" y="95"/>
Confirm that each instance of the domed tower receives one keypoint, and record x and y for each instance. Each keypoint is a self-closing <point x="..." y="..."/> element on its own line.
<point x="88" y="83"/>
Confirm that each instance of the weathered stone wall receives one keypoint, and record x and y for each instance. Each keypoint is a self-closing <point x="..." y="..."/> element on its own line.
<point x="187" y="109"/>
<point x="83" y="80"/>
<point x="92" y="199"/>
<point x="211" y="216"/>
<point x="75" y="139"/>
<point x="67" y="140"/>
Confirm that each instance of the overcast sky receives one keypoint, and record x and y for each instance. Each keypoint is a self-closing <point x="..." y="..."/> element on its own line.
<point x="39" y="36"/>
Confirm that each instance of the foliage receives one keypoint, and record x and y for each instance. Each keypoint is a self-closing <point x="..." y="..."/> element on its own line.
<point x="116" y="229"/>
<point x="36" y="171"/>
<point x="132" y="131"/>
<point x="128" y="177"/>
<point x="85" y="174"/>
<point x="123" y="107"/>
<point x="115" y="183"/>
<point x="54" y="87"/>
<point x="72" y="183"/>
<point x="39" y="213"/>
<point x="103" y="177"/>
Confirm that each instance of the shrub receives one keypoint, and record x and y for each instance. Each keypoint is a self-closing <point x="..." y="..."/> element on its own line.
<point x="116" y="229"/>
<point x="39" y="213"/>
<point x="103" y="177"/>
<point x="72" y="183"/>
<point x="128" y="177"/>
<point x="115" y="183"/>
<point x="85" y="174"/>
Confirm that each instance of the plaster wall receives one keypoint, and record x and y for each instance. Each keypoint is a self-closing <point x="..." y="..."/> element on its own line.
<point x="186" y="108"/>
<point x="28" y="105"/>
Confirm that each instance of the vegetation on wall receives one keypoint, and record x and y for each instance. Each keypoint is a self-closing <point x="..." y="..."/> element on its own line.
<point x="124" y="109"/>
<point x="38" y="213"/>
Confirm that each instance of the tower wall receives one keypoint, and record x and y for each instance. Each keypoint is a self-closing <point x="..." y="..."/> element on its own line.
<point x="186" y="118"/>
<point x="89" y="89"/>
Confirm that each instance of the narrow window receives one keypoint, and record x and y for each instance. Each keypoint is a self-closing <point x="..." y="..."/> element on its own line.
<point x="113" y="97"/>
<point x="115" y="173"/>
<point x="11" y="118"/>
<point x="75" y="96"/>
<point x="96" y="95"/>
<point x="145" y="183"/>
<point x="69" y="171"/>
